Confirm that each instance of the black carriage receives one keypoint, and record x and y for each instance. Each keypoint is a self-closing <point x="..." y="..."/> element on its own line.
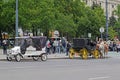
<point x="84" y="47"/>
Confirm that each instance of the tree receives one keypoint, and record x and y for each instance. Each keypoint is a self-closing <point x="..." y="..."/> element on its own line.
<point x="112" y="21"/>
<point x="7" y="16"/>
<point x="117" y="24"/>
<point x="89" y="19"/>
<point x="71" y="18"/>
<point x="29" y="12"/>
<point x="112" y="33"/>
<point x="64" y="17"/>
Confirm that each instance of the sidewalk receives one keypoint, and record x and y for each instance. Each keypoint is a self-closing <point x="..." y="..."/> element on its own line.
<point x="63" y="55"/>
<point x="114" y="54"/>
<point x="1" y="54"/>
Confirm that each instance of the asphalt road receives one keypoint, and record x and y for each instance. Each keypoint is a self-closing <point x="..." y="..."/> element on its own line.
<point x="62" y="69"/>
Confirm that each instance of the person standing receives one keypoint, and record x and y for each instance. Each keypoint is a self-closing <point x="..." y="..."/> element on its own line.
<point x="58" y="47"/>
<point x="64" y="45"/>
<point x="118" y="47"/>
<point x="48" y="46"/>
<point x="68" y="48"/>
<point x="114" y="46"/>
<point x="4" y="44"/>
<point x="111" y="46"/>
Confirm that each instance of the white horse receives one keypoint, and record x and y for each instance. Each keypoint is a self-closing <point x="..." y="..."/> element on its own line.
<point x="103" y="48"/>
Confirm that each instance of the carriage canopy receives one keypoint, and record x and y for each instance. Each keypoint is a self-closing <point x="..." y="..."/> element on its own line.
<point x="37" y="42"/>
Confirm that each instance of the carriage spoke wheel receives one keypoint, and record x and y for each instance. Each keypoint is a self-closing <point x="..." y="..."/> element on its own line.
<point x="9" y="58"/>
<point x="18" y="58"/>
<point x="36" y="58"/>
<point x="84" y="54"/>
<point x="43" y="57"/>
<point x="96" y="54"/>
<point x="71" y="54"/>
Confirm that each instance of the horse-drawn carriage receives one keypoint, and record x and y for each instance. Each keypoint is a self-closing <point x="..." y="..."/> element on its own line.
<point x="28" y="47"/>
<point x="84" y="47"/>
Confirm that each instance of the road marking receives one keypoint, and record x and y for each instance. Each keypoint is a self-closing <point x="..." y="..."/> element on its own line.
<point x="98" y="78"/>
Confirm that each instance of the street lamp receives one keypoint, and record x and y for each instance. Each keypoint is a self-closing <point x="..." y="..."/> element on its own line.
<point x="106" y="20"/>
<point x="16" y="26"/>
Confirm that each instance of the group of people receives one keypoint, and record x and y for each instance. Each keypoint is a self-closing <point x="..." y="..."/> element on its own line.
<point x="110" y="45"/>
<point x="57" y="46"/>
<point x="5" y="44"/>
<point x="114" y="45"/>
<point x="52" y="46"/>
<point x="63" y="46"/>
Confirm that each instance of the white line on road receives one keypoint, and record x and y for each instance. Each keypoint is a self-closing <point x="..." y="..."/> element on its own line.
<point x="98" y="78"/>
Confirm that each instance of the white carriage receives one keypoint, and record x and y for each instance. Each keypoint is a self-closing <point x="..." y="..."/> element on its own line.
<point x="28" y="47"/>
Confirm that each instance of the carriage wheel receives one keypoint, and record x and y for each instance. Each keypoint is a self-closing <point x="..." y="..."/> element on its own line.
<point x="18" y="58"/>
<point x="36" y="58"/>
<point x="84" y="53"/>
<point x="9" y="58"/>
<point x="96" y="54"/>
<point x="44" y="57"/>
<point x="71" y="53"/>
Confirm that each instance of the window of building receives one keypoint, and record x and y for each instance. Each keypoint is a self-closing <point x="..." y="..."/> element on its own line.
<point x="86" y="1"/>
<point x="93" y="2"/>
<point x="113" y="6"/>
<point x="100" y="3"/>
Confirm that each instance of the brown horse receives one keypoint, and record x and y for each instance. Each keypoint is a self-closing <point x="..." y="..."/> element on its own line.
<point x="103" y="49"/>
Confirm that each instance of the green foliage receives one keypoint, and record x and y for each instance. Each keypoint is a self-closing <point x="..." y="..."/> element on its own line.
<point x="116" y="26"/>
<point x="117" y="12"/>
<point x="112" y="33"/>
<point x="112" y="21"/>
<point x="7" y="15"/>
<point x="71" y="17"/>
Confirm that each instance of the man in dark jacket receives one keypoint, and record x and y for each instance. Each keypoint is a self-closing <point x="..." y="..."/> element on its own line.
<point x="68" y="48"/>
<point x="4" y="44"/>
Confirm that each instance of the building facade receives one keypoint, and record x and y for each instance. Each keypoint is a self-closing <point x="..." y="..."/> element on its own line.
<point x="112" y="5"/>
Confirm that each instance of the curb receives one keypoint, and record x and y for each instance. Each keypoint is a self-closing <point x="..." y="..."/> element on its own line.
<point x="63" y="56"/>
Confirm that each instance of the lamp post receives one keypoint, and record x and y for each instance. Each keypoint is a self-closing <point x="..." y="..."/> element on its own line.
<point x="16" y="26"/>
<point x="106" y="20"/>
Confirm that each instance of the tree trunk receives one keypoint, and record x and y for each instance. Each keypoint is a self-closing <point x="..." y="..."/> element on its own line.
<point x="33" y="31"/>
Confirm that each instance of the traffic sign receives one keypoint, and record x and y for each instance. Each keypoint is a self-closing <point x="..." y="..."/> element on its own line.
<point x="102" y="29"/>
<point x="89" y="35"/>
